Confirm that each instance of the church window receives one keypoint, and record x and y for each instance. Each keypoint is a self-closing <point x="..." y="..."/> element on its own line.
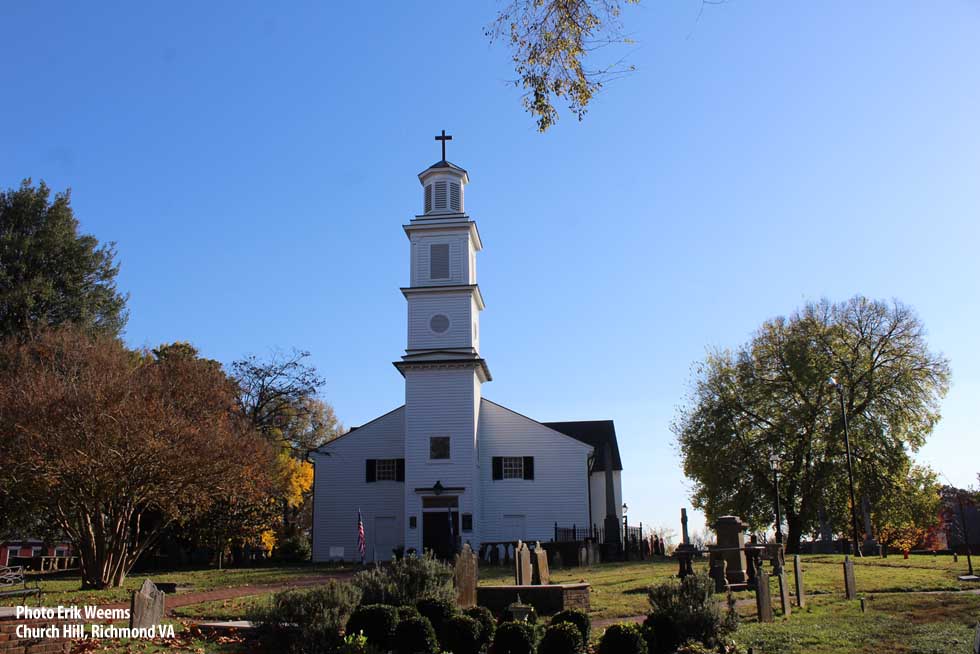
<point x="439" y="447"/>
<point x="439" y="261"/>
<point x="428" y="198"/>
<point x="439" y="323"/>
<point x="454" y="203"/>
<point x="467" y="522"/>
<point x="384" y="470"/>
<point x="513" y="467"/>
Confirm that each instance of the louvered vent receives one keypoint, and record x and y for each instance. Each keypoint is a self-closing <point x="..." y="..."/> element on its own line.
<point x="428" y="198"/>
<point x="439" y="323"/>
<point x="439" y="261"/>
<point x="454" y="203"/>
<point x="440" y="195"/>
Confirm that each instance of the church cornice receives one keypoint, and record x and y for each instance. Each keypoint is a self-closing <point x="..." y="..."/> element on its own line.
<point x="480" y="365"/>
<point x="442" y="222"/>
<point x="447" y="288"/>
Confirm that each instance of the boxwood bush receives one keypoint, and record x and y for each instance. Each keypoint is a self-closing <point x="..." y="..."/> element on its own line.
<point x="623" y="639"/>
<point x="376" y="621"/>
<point x="415" y="636"/>
<point x="514" y="638"/>
<point x="488" y="625"/>
<point x="438" y="612"/>
<point x="562" y="638"/>
<point x="461" y="635"/>
<point x="578" y="618"/>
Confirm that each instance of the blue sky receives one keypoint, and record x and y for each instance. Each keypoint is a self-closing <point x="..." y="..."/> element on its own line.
<point x="255" y="162"/>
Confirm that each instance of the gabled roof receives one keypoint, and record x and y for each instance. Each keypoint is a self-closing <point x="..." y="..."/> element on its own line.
<point x="595" y="433"/>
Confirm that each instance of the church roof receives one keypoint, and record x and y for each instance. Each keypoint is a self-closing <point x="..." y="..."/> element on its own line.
<point x="595" y="433"/>
<point x="446" y="164"/>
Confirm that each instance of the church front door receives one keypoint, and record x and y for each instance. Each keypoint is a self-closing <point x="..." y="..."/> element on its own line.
<point x="440" y="526"/>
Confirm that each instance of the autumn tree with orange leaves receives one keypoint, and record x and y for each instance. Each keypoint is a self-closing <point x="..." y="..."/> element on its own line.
<point x="113" y="446"/>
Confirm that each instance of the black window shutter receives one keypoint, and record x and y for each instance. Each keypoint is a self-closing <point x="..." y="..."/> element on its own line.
<point x="529" y="467"/>
<point x="400" y="470"/>
<point x="370" y="473"/>
<point x="498" y="467"/>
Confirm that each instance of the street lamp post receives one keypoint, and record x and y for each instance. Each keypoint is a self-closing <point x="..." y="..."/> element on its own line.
<point x="850" y="468"/>
<point x="774" y="464"/>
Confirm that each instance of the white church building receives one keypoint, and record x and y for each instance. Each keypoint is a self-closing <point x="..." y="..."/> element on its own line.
<point x="450" y="466"/>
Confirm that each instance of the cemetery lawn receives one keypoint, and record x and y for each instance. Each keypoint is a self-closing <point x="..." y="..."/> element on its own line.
<point x="619" y="589"/>
<point x="913" y="623"/>
<point x="65" y="588"/>
<point x="237" y="608"/>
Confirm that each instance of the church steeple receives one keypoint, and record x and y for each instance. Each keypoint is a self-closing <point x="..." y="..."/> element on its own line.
<point x="442" y="184"/>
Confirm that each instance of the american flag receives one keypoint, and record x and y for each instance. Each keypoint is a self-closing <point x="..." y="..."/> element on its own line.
<point x="361" y="541"/>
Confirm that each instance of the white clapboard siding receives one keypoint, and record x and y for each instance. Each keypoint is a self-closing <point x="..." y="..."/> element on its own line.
<point x="439" y="403"/>
<point x="559" y="492"/>
<point x="461" y="266"/>
<point x="341" y="489"/>
<point x="457" y="306"/>
<point x="598" y="483"/>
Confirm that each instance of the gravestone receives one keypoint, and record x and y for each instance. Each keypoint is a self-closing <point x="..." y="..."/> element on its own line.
<point x="798" y="578"/>
<point x="850" y="592"/>
<point x="583" y="556"/>
<point x="594" y="556"/>
<point x="465" y="573"/>
<point x="542" y="575"/>
<point x="522" y="565"/>
<point x="784" y="602"/>
<point x="763" y="602"/>
<point x="558" y="560"/>
<point x="147" y="606"/>
<point x="718" y="568"/>
<point x="731" y="537"/>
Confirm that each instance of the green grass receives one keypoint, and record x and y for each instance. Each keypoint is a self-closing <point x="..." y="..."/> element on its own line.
<point x="67" y="589"/>
<point x="230" y="609"/>
<point x="910" y="624"/>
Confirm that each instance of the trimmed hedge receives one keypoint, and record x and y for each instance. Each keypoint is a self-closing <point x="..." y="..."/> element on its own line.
<point x="306" y="621"/>
<point x="623" y="639"/>
<point x="488" y="625"/>
<point x="562" y="638"/>
<point x="461" y="635"/>
<point x="415" y="636"/>
<point x="514" y="638"/>
<point x="578" y="618"/>
<point x="376" y="621"/>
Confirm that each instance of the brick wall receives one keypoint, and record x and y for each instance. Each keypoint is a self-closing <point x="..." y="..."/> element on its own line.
<point x="10" y="644"/>
<point x="545" y="599"/>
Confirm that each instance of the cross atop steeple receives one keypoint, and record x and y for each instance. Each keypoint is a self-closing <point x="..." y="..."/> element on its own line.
<point x="444" y="138"/>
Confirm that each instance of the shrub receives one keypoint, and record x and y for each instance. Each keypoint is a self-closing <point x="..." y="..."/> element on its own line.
<point x="487" y="623"/>
<point x="415" y="636"/>
<point x="562" y="638"/>
<point x="578" y="618"/>
<point x="407" y="612"/>
<point x="681" y="612"/>
<point x="305" y="621"/>
<point x="405" y="581"/>
<point x="437" y="612"/>
<point x="376" y="621"/>
<point x="461" y="635"/>
<point x="294" y="548"/>
<point x="623" y="639"/>
<point x="356" y="644"/>
<point x="514" y="638"/>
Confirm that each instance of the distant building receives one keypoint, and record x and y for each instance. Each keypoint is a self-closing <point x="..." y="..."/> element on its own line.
<point x="27" y="551"/>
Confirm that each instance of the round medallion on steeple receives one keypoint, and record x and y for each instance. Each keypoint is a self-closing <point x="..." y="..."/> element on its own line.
<point x="442" y="184"/>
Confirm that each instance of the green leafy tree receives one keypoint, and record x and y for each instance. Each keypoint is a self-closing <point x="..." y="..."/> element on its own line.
<point x="772" y="397"/>
<point x="909" y="510"/>
<point x="49" y="273"/>
<point x="550" y="41"/>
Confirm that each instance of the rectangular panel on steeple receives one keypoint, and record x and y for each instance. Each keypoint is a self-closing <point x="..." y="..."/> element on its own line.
<point x="439" y="261"/>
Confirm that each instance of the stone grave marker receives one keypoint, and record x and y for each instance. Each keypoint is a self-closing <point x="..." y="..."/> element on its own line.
<point x="763" y="602"/>
<point x="583" y="556"/>
<point x="542" y="575"/>
<point x="784" y="601"/>
<point x="719" y="568"/>
<point x="594" y="558"/>
<point x="522" y="565"/>
<point x="558" y="561"/>
<point x="147" y="606"/>
<point x="465" y="573"/>
<point x="850" y="592"/>
<point x="798" y="578"/>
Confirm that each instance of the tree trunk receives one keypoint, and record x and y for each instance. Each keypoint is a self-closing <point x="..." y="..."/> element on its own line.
<point x="794" y="525"/>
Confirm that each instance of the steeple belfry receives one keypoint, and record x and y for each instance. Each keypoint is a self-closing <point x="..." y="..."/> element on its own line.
<point x="442" y="184"/>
